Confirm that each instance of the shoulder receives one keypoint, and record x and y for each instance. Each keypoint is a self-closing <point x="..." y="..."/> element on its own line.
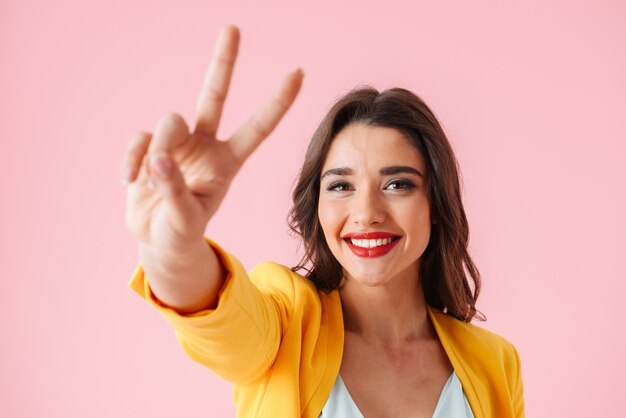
<point x="475" y="344"/>
<point x="468" y="331"/>
<point x="487" y="364"/>
<point x="284" y="285"/>
<point x="276" y="276"/>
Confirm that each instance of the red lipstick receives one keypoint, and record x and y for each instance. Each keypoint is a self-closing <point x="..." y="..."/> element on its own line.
<point x="377" y="251"/>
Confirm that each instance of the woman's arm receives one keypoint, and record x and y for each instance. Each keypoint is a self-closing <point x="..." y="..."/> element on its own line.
<point x="238" y="339"/>
<point x="187" y="283"/>
<point x="177" y="179"/>
<point x="518" y="388"/>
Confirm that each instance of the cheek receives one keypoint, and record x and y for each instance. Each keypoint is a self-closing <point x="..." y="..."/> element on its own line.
<point x="330" y="218"/>
<point x="416" y="219"/>
<point x="423" y="230"/>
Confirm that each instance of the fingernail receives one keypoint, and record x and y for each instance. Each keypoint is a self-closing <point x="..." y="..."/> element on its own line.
<point x="128" y="175"/>
<point x="162" y="164"/>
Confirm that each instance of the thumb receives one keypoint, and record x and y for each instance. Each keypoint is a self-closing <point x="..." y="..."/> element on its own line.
<point x="170" y="183"/>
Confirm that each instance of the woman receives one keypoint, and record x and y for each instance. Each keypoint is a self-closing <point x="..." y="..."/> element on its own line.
<point x="378" y="207"/>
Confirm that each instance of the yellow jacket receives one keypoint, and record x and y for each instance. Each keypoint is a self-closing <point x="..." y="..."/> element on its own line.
<point x="279" y="341"/>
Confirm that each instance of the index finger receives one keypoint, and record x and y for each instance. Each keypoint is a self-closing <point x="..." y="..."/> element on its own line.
<point x="263" y="122"/>
<point x="215" y="86"/>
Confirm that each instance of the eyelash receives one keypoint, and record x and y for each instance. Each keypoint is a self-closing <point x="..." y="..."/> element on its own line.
<point x="334" y="186"/>
<point x="404" y="185"/>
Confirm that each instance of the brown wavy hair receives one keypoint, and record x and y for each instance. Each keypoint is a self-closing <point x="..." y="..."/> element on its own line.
<point x="446" y="267"/>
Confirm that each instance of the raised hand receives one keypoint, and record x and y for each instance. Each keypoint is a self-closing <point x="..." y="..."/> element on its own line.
<point x="177" y="180"/>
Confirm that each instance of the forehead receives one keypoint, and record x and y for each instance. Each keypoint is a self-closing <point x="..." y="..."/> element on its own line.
<point x="372" y="147"/>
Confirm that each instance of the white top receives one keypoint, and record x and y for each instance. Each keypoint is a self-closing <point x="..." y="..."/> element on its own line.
<point x="452" y="402"/>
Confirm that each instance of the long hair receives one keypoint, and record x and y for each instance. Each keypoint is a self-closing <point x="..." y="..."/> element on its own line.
<point x="446" y="267"/>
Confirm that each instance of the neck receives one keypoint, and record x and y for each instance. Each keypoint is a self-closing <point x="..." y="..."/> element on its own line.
<point x="391" y="314"/>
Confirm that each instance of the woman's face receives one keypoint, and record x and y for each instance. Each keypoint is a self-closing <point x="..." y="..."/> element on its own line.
<point x="373" y="204"/>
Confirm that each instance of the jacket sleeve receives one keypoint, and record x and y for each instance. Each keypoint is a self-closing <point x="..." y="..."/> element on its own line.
<point x="517" y="386"/>
<point x="239" y="339"/>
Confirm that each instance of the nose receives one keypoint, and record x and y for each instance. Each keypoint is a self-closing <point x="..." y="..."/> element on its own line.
<point x="368" y="208"/>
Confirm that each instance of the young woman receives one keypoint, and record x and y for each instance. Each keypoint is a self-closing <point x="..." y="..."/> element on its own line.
<point x="378" y="326"/>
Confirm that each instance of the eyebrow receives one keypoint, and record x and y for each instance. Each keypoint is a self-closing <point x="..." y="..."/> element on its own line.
<point x="400" y="169"/>
<point x="343" y="171"/>
<point x="385" y="171"/>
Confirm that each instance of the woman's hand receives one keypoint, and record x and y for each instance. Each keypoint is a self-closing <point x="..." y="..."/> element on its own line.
<point x="177" y="178"/>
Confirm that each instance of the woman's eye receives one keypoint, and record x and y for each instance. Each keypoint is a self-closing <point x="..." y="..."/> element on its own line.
<point x="400" y="185"/>
<point x="338" y="187"/>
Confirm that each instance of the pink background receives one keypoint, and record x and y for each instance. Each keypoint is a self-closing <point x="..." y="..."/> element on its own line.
<point x="532" y="94"/>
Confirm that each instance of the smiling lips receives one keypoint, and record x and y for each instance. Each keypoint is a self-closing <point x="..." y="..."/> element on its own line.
<point x="371" y="244"/>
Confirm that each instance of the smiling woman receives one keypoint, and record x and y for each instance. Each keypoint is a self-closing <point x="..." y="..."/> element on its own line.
<point x="380" y="323"/>
<point x="366" y="204"/>
<point x="388" y="129"/>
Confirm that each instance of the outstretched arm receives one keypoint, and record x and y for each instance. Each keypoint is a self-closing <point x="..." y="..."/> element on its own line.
<point x="177" y="179"/>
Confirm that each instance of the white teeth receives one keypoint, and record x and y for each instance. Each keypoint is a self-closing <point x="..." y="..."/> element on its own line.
<point x="370" y="243"/>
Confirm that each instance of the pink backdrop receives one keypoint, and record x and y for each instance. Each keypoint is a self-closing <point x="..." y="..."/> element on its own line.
<point x="532" y="94"/>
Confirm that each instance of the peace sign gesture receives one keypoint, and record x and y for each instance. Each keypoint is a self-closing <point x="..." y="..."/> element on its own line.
<point x="177" y="179"/>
